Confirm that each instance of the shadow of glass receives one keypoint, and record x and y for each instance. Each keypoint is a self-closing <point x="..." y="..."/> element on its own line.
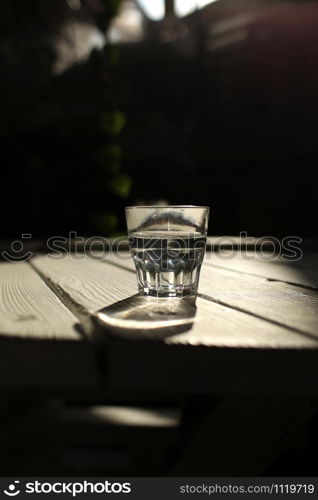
<point x="148" y="317"/>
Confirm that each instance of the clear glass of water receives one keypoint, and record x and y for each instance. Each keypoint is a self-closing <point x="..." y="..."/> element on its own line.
<point x="167" y="244"/>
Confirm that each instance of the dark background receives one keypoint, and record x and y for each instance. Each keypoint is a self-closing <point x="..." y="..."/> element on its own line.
<point x="217" y="108"/>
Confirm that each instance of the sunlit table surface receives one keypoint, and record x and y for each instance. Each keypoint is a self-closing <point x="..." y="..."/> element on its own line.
<point x="76" y="323"/>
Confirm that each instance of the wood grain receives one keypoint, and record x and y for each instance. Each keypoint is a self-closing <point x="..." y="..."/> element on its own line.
<point x="94" y="285"/>
<point x="225" y="350"/>
<point x="41" y="344"/>
<point x="278" y="302"/>
<point x="275" y="301"/>
<point x="29" y="308"/>
<point x="302" y="273"/>
<point x="88" y="284"/>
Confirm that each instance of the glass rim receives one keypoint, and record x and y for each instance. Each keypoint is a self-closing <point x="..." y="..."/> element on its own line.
<point x="167" y="206"/>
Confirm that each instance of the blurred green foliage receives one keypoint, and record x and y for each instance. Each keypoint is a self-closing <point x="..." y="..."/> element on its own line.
<point x="121" y="185"/>
<point x="113" y="122"/>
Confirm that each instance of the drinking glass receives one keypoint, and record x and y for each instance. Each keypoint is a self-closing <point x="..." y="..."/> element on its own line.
<point x="167" y="244"/>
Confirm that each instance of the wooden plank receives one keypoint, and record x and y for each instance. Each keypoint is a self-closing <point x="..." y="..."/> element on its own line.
<point x="95" y="286"/>
<point x="41" y="344"/>
<point x="275" y="301"/>
<point x="222" y="350"/>
<point x="88" y="284"/>
<point x="29" y="308"/>
<point x="303" y="272"/>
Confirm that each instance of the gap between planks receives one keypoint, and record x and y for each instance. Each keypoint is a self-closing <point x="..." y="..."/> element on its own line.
<point x="74" y="307"/>
<point x="265" y="275"/>
<point x="42" y="344"/>
<point x="265" y="265"/>
<point x="256" y="275"/>
<point x="29" y="309"/>
<point x="84" y="287"/>
<point x="226" y="275"/>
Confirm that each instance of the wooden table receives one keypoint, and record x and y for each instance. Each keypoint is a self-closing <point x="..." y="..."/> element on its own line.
<point x="76" y="324"/>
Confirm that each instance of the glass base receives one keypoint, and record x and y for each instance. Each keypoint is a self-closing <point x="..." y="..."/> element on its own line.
<point x="167" y="292"/>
